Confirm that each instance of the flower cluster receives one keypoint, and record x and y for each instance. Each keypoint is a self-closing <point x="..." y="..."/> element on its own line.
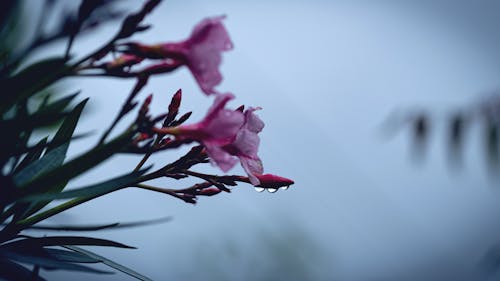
<point x="228" y="136"/>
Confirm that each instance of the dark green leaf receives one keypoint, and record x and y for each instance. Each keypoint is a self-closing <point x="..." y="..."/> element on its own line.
<point x="46" y="261"/>
<point x="47" y="163"/>
<point x="63" y="135"/>
<point x="55" y="107"/>
<point x="60" y="241"/>
<point x="110" y="263"/>
<point x="94" y="190"/>
<point x="32" y="79"/>
<point x="33" y="155"/>
<point x="78" y="165"/>
<point x="46" y="115"/>
<point x="67" y="128"/>
<point x="101" y="226"/>
<point x="14" y="272"/>
<point x="71" y="256"/>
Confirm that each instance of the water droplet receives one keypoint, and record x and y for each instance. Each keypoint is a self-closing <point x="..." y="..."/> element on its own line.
<point x="285" y="187"/>
<point x="259" y="189"/>
<point x="272" y="190"/>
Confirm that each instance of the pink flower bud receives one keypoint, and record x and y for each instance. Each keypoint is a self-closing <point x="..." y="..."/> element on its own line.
<point x="173" y="108"/>
<point x="211" y="191"/>
<point x="273" y="181"/>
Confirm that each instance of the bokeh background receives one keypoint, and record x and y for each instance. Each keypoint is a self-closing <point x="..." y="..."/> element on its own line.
<point x="329" y="75"/>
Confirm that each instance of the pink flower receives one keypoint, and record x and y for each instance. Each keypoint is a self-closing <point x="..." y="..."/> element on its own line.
<point x="201" y="52"/>
<point x="246" y="145"/>
<point x="228" y="136"/>
<point x="218" y="129"/>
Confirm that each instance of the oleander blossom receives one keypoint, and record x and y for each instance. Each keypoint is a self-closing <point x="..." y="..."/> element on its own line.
<point x="201" y="52"/>
<point x="217" y="130"/>
<point x="228" y="136"/>
<point x="246" y="145"/>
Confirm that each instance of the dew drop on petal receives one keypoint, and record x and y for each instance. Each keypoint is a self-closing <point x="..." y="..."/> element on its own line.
<point x="259" y="189"/>
<point x="285" y="187"/>
<point x="272" y="190"/>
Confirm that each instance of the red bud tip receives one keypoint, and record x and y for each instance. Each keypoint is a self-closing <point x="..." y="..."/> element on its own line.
<point x="273" y="181"/>
<point x="209" y="191"/>
<point x="240" y="109"/>
<point x="148" y="99"/>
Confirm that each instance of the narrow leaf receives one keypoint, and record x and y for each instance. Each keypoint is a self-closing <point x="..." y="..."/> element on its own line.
<point x="78" y="165"/>
<point x="47" y="163"/>
<point x="13" y="271"/>
<point x="49" y="262"/>
<point x="67" y="128"/>
<point x="116" y="225"/>
<point x="71" y="256"/>
<point x="94" y="190"/>
<point x="62" y="240"/>
<point x="31" y="80"/>
<point x="110" y="263"/>
<point x="63" y="135"/>
<point x="32" y="156"/>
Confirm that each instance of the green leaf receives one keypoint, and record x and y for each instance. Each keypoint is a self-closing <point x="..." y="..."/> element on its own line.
<point x="56" y="106"/>
<point x="54" y="156"/>
<point x="62" y="241"/>
<point x="94" y="190"/>
<point x="88" y="193"/>
<point x="45" y="116"/>
<point x="44" y="260"/>
<point x="116" y="225"/>
<point x="33" y="155"/>
<point x="47" y="163"/>
<point x="63" y="135"/>
<point x="71" y="256"/>
<point x="67" y="128"/>
<point x="31" y="80"/>
<point x="77" y="166"/>
<point x="110" y="263"/>
<point x="13" y="271"/>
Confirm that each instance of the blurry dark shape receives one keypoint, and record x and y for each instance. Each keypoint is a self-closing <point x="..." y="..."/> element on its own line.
<point x="491" y="143"/>
<point x="131" y="24"/>
<point x="486" y="113"/>
<point x="6" y="11"/>
<point x="457" y="126"/>
<point x="420" y="130"/>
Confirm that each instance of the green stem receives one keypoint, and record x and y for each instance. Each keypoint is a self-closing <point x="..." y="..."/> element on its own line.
<point x="54" y="211"/>
<point x="148" y="154"/>
<point x="154" y="188"/>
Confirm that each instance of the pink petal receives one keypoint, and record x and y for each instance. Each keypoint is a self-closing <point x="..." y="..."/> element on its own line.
<point x="252" y="121"/>
<point x="220" y="157"/>
<point x="253" y="168"/>
<point x="246" y="143"/>
<point x="204" y="47"/>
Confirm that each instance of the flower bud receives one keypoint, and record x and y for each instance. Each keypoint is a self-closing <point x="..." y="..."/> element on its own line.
<point x="273" y="181"/>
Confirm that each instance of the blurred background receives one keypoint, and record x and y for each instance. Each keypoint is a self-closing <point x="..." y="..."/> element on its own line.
<point x="330" y="76"/>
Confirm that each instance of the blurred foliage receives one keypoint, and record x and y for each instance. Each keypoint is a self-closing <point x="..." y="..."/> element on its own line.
<point x="458" y="124"/>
